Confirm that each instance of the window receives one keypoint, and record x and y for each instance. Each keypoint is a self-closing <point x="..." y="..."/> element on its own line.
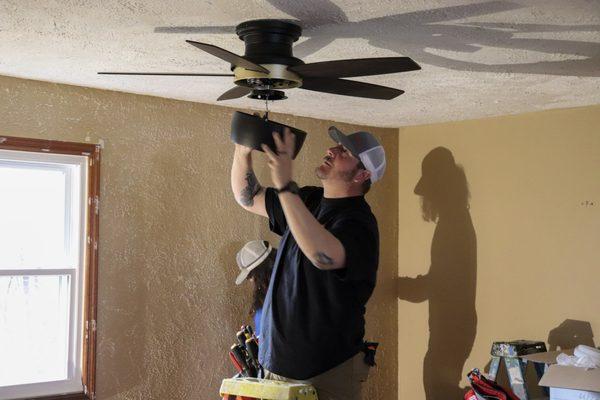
<point x="48" y="268"/>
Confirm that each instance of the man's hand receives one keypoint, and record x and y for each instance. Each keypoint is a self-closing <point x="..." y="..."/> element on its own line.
<point x="281" y="162"/>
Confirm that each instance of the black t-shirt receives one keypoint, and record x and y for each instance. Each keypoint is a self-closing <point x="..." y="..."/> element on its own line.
<point x="313" y="320"/>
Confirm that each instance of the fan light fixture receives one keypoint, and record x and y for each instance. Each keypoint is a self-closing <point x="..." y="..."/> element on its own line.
<point x="268" y="66"/>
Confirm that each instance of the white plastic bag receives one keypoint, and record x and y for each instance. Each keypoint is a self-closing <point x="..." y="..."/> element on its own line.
<point x="583" y="357"/>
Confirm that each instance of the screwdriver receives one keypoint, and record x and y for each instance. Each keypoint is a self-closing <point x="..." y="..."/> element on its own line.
<point x="252" y="349"/>
<point x="241" y="337"/>
<point x="238" y="353"/>
<point x="249" y="331"/>
<point x="237" y="365"/>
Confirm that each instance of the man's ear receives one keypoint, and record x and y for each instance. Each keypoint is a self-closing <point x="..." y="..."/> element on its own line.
<point x="361" y="176"/>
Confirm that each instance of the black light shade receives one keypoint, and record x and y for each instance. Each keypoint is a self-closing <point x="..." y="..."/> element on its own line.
<point x="252" y="131"/>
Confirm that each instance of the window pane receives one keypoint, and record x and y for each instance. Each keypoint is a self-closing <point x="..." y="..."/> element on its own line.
<point x="34" y="328"/>
<point x="37" y="221"/>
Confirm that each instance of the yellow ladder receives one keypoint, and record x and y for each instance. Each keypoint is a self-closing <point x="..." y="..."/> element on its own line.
<point x="267" y="389"/>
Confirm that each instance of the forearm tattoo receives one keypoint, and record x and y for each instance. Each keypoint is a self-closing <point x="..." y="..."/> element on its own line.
<point x="324" y="259"/>
<point x="252" y="188"/>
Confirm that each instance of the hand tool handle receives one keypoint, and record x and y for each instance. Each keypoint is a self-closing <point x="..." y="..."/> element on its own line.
<point x="241" y="337"/>
<point x="252" y="348"/>
<point x="237" y="365"/>
<point x="249" y="330"/>
<point x="240" y="356"/>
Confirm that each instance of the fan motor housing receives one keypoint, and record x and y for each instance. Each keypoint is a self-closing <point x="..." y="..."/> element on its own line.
<point x="269" y="95"/>
<point x="269" y="43"/>
<point x="279" y="77"/>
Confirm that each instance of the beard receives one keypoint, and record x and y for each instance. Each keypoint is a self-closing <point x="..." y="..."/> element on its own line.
<point x="345" y="176"/>
<point x="429" y="211"/>
<point x="320" y="173"/>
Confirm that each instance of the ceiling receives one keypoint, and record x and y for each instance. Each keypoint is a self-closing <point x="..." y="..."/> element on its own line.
<point x="479" y="58"/>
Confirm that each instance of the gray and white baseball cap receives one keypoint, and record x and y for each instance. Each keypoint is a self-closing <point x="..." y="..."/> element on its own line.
<point x="365" y="147"/>
<point x="251" y="256"/>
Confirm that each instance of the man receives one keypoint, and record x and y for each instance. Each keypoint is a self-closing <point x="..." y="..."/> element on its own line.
<point x="326" y="264"/>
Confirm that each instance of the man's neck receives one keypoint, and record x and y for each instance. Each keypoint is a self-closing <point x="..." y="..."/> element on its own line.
<point x="333" y="191"/>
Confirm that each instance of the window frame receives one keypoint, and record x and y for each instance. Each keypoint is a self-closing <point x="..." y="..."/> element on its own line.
<point x="88" y="328"/>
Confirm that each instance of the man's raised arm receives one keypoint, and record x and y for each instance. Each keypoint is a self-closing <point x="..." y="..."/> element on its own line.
<point x="247" y="191"/>
<point x="319" y="245"/>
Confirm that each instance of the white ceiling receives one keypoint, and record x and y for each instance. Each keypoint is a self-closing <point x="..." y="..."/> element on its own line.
<point x="479" y="58"/>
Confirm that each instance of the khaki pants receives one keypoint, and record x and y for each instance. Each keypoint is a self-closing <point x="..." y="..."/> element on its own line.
<point x="343" y="382"/>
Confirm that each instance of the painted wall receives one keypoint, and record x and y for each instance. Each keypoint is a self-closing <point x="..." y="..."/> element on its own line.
<point x="168" y="306"/>
<point x="170" y="230"/>
<point x="531" y="266"/>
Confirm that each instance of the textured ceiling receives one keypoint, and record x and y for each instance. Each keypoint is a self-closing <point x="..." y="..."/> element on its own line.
<point x="479" y="58"/>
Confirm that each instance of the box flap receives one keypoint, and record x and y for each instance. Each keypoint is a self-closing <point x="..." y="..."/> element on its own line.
<point x="572" y="378"/>
<point x="547" y="357"/>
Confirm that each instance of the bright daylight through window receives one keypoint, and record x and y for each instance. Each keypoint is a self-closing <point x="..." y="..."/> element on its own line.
<point x="43" y="230"/>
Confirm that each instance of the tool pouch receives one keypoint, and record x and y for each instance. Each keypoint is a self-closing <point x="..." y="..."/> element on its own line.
<point x="370" y="348"/>
<point x="483" y="388"/>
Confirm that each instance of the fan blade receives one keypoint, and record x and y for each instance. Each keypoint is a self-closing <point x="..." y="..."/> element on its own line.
<point x="235" y="92"/>
<point x="161" y="74"/>
<point x="228" y="56"/>
<point x="355" y="67"/>
<point x="346" y="87"/>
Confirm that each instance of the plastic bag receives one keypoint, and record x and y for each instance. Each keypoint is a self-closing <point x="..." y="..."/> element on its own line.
<point x="583" y="357"/>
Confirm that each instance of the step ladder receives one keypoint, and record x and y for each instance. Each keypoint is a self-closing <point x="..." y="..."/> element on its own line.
<point x="265" y="389"/>
<point x="516" y="367"/>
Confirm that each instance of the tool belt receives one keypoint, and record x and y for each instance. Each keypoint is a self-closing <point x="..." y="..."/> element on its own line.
<point x="369" y="348"/>
<point x="483" y="388"/>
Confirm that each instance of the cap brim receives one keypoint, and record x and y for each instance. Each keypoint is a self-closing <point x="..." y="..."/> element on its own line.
<point x="338" y="136"/>
<point x="419" y="188"/>
<point x="242" y="276"/>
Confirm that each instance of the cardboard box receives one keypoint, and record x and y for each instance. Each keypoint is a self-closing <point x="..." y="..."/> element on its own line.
<point x="565" y="382"/>
<point x="547" y="357"/>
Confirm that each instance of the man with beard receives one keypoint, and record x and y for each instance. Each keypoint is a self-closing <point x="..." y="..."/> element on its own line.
<point x="325" y="270"/>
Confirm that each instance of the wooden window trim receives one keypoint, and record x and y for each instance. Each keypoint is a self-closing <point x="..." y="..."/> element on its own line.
<point x="90" y="299"/>
<point x="70" y="396"/>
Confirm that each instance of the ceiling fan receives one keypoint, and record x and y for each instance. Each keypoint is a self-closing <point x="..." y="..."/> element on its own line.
<point x="268" y="66"/>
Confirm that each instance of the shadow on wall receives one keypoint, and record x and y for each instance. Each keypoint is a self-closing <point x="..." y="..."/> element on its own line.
<point x="450" y="284"/>
<point x="423" y="34"/>
<point x="569" y="334"/>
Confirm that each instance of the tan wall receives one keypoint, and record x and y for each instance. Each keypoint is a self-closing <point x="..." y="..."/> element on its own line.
<point x="170" y="230"/>
<point x="538" y="253"/>
<point x="168" y="306"/>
